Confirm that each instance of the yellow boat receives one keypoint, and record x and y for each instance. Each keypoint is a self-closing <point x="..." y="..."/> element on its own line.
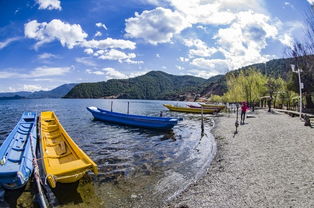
<point x="220" y="107"/>
<point x="189" y="110"/>
<point x="63" y="160"/>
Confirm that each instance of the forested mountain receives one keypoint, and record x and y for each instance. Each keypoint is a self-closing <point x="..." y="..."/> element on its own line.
<point x="57" y="92"/>
<point x="160" y="85"/>
<point x="153" y="85"/>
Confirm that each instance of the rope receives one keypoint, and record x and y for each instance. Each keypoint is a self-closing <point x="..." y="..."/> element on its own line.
<point x="37" y="175"/>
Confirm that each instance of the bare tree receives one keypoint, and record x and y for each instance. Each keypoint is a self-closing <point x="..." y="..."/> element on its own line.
<point x="303" y="54"/>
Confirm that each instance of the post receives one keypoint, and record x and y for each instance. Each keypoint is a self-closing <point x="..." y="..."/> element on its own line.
<point x="202" y="124"/>
<point x="128" y="107"/>
<point x="300" y="86"/>
<point x="111" y="105"/>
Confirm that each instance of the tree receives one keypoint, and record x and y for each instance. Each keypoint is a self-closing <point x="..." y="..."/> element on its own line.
<point x="247" y="85"/>
<point x="302" y="52"/>
<point x="273" y="87"/>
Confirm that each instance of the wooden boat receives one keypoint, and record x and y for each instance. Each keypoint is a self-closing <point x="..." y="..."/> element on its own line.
<point x="216" y="108"/>
<point x="212" y="106"/>
<point x="133" y="120"/>
<point x="189" y="110"/>
<point x="17" y="151"/>
<point x="63" y="160"/>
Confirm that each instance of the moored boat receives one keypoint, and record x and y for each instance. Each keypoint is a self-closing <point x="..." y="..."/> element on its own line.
<point x="17" y="151"/>
<point x="63" y="160"/>
<point x="216" y="108"/>
<point x="133" y="120"/>
<point x="212" y="106"/>
<point x="190" y="110"/>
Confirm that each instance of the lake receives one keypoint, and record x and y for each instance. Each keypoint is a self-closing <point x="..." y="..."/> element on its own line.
<point x="137" y="167"/>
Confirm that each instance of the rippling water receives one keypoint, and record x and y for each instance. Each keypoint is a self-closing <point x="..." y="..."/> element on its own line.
<point x="137" y="167"/>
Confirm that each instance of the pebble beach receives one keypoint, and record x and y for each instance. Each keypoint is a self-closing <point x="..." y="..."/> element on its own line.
<point x="268" y="163"/>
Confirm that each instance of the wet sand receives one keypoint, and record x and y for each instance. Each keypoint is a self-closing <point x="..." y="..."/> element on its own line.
<point x="269" y="163"/>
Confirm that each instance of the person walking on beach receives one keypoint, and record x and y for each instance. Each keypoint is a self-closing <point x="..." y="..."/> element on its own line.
<point x="244" y="108"/>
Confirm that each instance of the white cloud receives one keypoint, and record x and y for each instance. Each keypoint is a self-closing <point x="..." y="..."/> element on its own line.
<point x="161" y="24"/>
<point x="109" y="43"/>
<point x="86" y="61"/>
<point x="89" y="51"/>
<point x="99" y="24"/>
<point x="157" y="55"/>
<point x="46" y="56"/>
<point x="217" y="65"/>
<point x="242" y="42"/>
<point x="114" y="54"/>
<point x="201" y="48"/>
<point x="288" y="4"/>
<point x="179" y="67"/>
<point x="68" y="35"/>
<point x="155" y="26"/>
<point x="202" y="73"/>
<point x="98" y="34"/>
<point x="32" y="88"/>
<point x="7" y="42"/>
<point x="45" y="71"/>
<point x="42" y="71"/>
<point x="183" y="59"/>
<point x="49" y="4"/>
<point x="111" y="73"/>
<point x="311" y="2"/>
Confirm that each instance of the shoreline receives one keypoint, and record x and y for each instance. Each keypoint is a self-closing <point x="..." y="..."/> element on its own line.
<point x="269" y="163"/>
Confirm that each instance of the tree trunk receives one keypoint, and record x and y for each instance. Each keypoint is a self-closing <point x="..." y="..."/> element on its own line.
<point x="269" y="105"/>
<point x="309" y="102"/>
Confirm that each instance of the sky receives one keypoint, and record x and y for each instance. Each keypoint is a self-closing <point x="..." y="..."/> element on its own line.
<point x="46" y="43"/>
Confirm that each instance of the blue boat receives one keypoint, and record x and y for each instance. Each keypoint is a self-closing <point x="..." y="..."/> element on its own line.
<point x="16" y="153"/>
<point x="133" y="120"/>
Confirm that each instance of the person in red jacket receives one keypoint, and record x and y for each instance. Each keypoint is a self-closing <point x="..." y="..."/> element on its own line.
<point x="244" y="108"/>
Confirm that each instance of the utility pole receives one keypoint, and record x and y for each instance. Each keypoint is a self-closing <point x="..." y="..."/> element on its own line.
<point x="301" y="86"/>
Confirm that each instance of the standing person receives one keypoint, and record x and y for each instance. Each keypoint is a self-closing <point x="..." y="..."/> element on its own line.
<point x="244" y="108"/>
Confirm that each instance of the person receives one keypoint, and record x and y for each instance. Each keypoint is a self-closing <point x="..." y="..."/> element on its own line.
<point x="244" y="108"/>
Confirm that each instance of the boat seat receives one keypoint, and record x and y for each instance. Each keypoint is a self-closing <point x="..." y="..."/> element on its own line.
<point x="61" y="151"/>
<point x="14" y="156"/>
<point x="19" y="144"/>
<point x="66" y="167"/>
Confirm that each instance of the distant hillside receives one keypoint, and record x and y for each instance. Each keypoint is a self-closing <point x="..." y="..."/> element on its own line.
<point x="160" y="85"/>
<point x="153" y="85"/>
<point x="58" y="92"/>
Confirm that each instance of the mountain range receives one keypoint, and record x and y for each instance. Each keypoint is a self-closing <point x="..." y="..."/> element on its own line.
<point x="154" y="85"/>
<point x="161" y="85"/>
<point x="57" y="92"/>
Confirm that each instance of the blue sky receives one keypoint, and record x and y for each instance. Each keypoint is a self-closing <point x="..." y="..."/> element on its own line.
<point x="46" y="43"/>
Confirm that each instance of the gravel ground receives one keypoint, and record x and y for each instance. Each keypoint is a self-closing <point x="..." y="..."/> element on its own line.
<point x="269" y="163"/>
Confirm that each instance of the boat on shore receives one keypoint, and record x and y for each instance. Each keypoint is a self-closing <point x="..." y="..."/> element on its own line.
<point x="17" y="151"/>
<point x="133" y="120"/>
<point x="212" y="106"/>
<point x="63" y="160"/>
<point x="190" y="110"/>
<point x="217" y="108"/>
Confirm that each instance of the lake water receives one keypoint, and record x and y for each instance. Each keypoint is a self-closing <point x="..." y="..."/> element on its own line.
<point x="137" y="167"/>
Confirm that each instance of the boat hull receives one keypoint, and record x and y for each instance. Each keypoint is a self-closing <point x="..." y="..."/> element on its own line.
<point x="17" y="151"/>
<point x="63" y="160"/>
<point x="133" y="120"/>
<point x="190" y="110"/>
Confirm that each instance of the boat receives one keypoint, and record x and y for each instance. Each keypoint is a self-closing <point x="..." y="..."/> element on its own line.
<point x="63" y="160"/>
<point x="217" y="108"/>
<point x="17" y="151"/>
<point x="212" y="106"/>
<point x="190" y="110"/>
<point x="133" y="120"/>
